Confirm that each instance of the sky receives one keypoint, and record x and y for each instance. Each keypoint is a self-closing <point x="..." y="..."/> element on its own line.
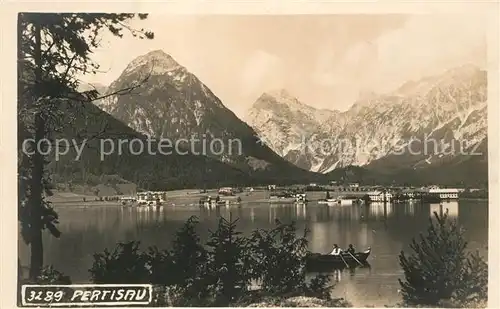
<point x="326" y="61"/>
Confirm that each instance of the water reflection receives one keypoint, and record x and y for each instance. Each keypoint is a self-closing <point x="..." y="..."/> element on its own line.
<point x="441" y="208"/>
<point x="409" y="208"/>
<point x="388" y="229"/>
<point x="301" y="211"/>
<point x="346" y="279"/>
<point x="291" y="211"/>
<point x="337" y="275"/>
<point x="380" y="210"/>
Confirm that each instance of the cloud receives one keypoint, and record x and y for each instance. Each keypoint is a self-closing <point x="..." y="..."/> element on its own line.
<point x="325" y="60"/>
<point x="261" y="70"/>
<point x="424" y="45"/>
<point x="428" y="44"/>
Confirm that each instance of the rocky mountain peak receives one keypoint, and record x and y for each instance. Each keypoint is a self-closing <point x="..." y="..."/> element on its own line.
<point x="173" y="103"/>
<point x="279" y="99"/>
<point x="449" y="106"/>
<point x="158" y="61"/>
<point x="283" y="96"/>
<point x="456" y="77"/>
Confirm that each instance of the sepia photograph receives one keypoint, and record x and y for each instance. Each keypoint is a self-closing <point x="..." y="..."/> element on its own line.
<point x="252" y="160"/>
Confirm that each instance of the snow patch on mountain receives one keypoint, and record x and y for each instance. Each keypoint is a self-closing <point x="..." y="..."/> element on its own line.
<point x="167" y="101"/>
<point x="449" y="106"/>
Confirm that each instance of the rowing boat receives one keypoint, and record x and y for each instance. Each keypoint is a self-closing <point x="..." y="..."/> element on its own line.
<point x="319" y="261"/>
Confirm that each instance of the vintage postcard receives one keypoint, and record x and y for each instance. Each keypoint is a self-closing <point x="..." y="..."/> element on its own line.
<point x="249" y="155"/>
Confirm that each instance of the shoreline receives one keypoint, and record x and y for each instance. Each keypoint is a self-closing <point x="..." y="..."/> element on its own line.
<point x="187" y="197"/>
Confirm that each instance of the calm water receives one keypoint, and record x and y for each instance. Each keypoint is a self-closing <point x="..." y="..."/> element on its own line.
<point x="388" y="230"/>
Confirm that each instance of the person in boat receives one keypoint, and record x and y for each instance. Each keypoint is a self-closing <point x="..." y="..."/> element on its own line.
<point x="336" y="250"/>
<point x="351" y="249"/>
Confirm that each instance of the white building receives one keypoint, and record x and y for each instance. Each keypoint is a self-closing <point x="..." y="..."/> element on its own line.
<point x="380" y="196"/>
<point x="354" y="185"/>
<point x="151" y="197"/>
<point x="444" y="193"/>
<point x="226" y="191"/>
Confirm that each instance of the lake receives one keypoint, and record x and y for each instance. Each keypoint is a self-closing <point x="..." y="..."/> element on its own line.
<point x="387" y="229"/>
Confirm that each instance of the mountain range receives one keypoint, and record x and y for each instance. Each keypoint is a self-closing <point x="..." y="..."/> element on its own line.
<point x="148" y="169"/>
<point x="283" y="139"/>
<point x="442" y="119"/>
<point x="166" y="101"/>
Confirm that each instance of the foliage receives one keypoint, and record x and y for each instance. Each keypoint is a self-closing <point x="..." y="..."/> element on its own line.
<point x="229" y="270"/>
<point x="53" y="50"/>
<point x="282" y="258"/>
<point x="218" y="273"/>
<point x="67" y="41"/>
<point x="280" y="261"/>
<point x="479" y="194"/>
<point x="320" y="287"/>
<point x="124" y="265"/>
<point x="474" y="287"/>
<point x="296" y="301"/>
<point x="159" y="262"/>
<point x="314" y="188"/>
<point x="50" y="275"/>
<point x="185" y="264"/>
<point x="440" y="269"/>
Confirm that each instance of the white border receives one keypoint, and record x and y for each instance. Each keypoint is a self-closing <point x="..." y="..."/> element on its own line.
<point x="76" y="304"/>
<point x="8" y="132"/>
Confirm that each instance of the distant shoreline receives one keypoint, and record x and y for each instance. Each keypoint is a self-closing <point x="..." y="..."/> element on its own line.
<point x="180" y="199"/>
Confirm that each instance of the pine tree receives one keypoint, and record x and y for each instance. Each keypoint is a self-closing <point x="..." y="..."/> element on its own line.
<point x="280" y="257"/>
<point x="182" y="270"/>
<point x="439" y="270"/>
<point x="227" y="268"/>
<point x="474" y="283"/>
<point x="124" y="265"/>
<point x="53" y="49"/>
<point x="189" y="262"/>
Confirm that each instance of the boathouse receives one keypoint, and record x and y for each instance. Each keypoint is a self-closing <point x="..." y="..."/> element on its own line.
<point x="444" y="193"/>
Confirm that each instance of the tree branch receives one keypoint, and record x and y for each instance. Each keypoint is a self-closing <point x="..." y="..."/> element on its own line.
<point x="126" y="90"/>
<point x="65" y="76"/>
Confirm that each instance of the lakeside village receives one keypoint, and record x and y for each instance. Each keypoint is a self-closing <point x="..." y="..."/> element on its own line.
<point x="349" y="194"/>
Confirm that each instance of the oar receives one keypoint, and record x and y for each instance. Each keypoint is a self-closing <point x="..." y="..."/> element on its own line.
<point x="343" y="260"/>
<point x="354" y="258"/>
